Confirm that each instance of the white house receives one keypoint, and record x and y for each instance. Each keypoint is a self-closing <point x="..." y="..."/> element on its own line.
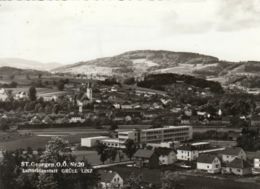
<point x="256" y="162"/>
<point x="229" y="154"/>
<point x="110" y="180"/>
<point x="92" y="141"/>
<point x="209" y="163"/>
<point x="3" y="95"/>
<point x="77" y="119"/>
<point x="187" y="153"/>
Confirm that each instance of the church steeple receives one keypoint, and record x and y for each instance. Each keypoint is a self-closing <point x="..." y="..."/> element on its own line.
<point x="89" y="89"/>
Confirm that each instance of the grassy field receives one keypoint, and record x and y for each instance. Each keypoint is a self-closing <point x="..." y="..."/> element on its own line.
<point x="40" y="137"/>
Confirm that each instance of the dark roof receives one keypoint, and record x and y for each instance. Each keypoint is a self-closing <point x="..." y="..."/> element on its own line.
<point x="106" y="176"/>
<point x="187" y="148"/>
<point x="253" y="155"/>
<point x="231" y="151"/>
<point x="206" y="158"/>
<point x="163" y="151"/>
<point x="144" y="153"/>
<point x="238" y="163"/>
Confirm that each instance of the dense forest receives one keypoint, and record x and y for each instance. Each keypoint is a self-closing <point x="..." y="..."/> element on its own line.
<point x="156" y="81"/>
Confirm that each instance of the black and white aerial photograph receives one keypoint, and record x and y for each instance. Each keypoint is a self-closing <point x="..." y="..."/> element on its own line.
<point x="130" y="94"/>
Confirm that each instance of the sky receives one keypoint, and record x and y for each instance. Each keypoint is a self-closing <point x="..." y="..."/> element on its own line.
<point x="73" y="31"/>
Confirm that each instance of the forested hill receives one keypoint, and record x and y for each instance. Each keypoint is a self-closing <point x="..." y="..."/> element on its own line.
<point x="159" y="81"/>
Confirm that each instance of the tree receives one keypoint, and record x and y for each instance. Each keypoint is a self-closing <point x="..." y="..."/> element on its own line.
<point x="102" y="151"/>
<point x="170" y="180"/>
<point x="113" y="126"/>
<point x="47" y="181"/>
<point x="56" y="108"/>
<point x="32" y="93"/>
<point x="60" y="85"/>
<point x="37" y="107"/>
<point x="130" y="149"/>
<point x="7" y="173"/>
<point x="12" y="177"/>
<point x="112" y="153"/>
<point x="134" y="181"/>
<point x="3" y="124"/>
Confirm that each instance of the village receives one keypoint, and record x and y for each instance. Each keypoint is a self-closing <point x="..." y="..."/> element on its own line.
<point x="135" y="130"/>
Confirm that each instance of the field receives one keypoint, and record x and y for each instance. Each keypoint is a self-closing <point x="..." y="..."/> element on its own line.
<point x="39" y="90"/>
<point x="40" y="137"/>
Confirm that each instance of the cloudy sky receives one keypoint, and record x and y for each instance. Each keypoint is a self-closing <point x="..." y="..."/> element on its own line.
<point x="68" y="32"/>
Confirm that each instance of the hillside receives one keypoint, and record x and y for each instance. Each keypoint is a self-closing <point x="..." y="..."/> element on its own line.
<point x="21" y="76"/>
<point x="136" y="63"/>
<point x="27" y="64"/>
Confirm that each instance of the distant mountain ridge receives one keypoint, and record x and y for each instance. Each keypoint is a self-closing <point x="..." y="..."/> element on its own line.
<point x="27" y="64"/>
<point x="134" y="63"/>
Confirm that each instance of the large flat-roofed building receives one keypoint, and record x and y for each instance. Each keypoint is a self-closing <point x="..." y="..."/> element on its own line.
<point x="166" y="134"/>
<point x="124" y="135"/>
<point x="112" y="143"/>
<point x="157" y="135"/>
<point x="92" y="141"/>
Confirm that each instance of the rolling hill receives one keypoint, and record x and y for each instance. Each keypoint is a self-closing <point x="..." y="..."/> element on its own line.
<point x="136" y="63"/>
<point x="27" y="64"/>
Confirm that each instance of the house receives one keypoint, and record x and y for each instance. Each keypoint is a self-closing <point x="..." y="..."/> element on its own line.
<point x="146" y="158"/>
<point x="237" y="166"/>
<point x="166" y="156"/>
<point x="255" y="157"/>
<point x="255" y="121"/>
<point x="3" y="95"/>
<point x="77" y="119"/>
<point x="209" y="162"/>
<point x="1" y="156"/>
<point x="21" y="95"/>
<point x="190" y="152"/>
<point x="229" y="154"/>
<point x="110" y="180"/>
<point x="187" y="153"/>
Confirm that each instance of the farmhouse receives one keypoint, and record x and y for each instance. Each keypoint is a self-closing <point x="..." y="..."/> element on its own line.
<point x="146" y="158"/>
<point x="230" y="154"/>
<point x="110" y="180"/>
<point x="209" y="163"/>
<point x="237" y="166"/>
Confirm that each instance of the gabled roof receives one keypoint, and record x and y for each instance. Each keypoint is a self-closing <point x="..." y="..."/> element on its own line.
<point x="238" y="163"/>
<point x="231" y="151"/>
<point x="206" y="158"/>
<point x="144" y="153"/>
<point x="163" y="151"/>
<point x="107" y="176"/>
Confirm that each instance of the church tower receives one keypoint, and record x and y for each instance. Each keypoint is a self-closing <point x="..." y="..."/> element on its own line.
<point x="89" y="91"/>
